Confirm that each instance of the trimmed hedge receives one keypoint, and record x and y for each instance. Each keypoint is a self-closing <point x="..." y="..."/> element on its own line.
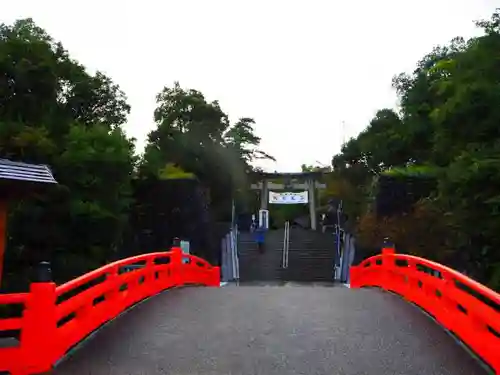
<point x="170" y="208"/>
<point x="395" y="194"/>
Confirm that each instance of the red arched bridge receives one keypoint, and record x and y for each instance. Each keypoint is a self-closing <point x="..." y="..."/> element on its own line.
<point x="254" y="329"/>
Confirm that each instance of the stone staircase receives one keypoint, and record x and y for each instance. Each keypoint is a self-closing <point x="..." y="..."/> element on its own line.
<point x="261" y="267"/>
<point x="311" y="257"/>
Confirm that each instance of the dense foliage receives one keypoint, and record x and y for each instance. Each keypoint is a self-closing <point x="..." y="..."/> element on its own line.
<point x="196" y="136"/>
<point x="53" y="111"/>
<point x="447" y="125"/>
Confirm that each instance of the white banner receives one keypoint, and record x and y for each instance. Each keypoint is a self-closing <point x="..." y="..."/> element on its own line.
<point x="288" y="198"/>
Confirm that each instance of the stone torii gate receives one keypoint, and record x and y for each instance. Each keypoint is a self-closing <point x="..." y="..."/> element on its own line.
<point x="303" y="181"/>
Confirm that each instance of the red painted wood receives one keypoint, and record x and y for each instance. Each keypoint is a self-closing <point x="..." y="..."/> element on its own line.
<point x="57" y="318"/>
<point x="467" y="308"/>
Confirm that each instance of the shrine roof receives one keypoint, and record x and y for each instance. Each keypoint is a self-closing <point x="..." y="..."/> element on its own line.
<point x="11" y="170"/>
<point x="19" y="180"/>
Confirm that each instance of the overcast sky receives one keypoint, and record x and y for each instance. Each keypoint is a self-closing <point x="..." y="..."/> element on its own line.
<point x="299" y="68"/>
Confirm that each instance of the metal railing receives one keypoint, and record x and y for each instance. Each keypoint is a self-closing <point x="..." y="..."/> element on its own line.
<point x="234" y="252"/>
<point x="230" y="258"/>
<point x="286" y="244"/>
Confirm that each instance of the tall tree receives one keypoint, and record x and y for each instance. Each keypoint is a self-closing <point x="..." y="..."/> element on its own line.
<point x="449" y="122"/>
<point x="195" y="135"/>
<point x="241" y="140"/>
<point x="40" y="83"/>
<point x="53" y="111"/>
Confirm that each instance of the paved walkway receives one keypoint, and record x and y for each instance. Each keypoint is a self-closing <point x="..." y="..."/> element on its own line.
<point x="271" y="330"/>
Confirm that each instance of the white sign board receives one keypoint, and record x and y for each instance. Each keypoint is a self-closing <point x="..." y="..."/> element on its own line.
<point x="288" y="198"/>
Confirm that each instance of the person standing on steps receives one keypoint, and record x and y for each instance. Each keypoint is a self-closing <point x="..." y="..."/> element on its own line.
<point x="259" y="238"/>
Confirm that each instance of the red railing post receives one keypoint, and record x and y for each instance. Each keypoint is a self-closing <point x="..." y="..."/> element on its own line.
<point x="115" y="303"/>
<point x="176" y="263"/>
<point x="388" y="264"/>
<point x="215" y="277"/>
<point x="150" y="279"/>
<point x="38" y="340"/>
<point x="465" y="307"/>
<point x="447" y="306"/>
<point x="388" y="247"/>
<point x="50" y="327"/>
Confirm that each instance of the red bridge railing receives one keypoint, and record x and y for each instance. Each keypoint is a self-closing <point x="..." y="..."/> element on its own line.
<point x="54" y="319"/>
<point x="467" y="308"/>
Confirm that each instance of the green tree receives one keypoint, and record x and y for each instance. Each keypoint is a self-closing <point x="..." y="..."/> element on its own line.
<point x="42" y="86"/>
<point x="448" y="122"/>
<point x="54" y="112"/>
<point x="195" y="135"/>
<point x="241" y="140"/>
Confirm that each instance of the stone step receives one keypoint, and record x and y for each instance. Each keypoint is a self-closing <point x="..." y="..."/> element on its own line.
<point x="311" y="257"/>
